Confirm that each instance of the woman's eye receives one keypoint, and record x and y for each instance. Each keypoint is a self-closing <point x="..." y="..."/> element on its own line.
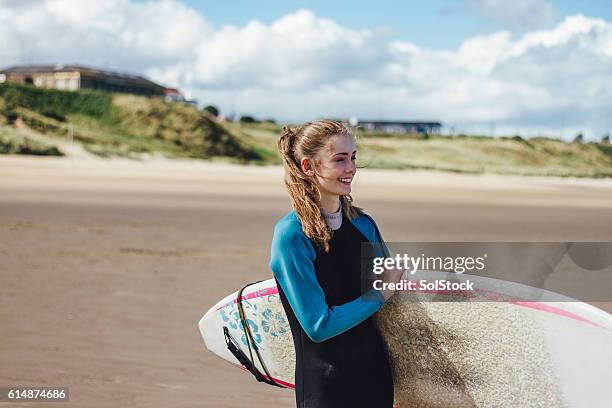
<point x="340" y="159"/>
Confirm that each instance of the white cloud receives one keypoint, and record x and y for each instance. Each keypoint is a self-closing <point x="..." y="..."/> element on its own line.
<point x="515" y="14"/>
<point x="295" y="52"/>
<point x="110" y="33"/>
<point x="303" y="66"/>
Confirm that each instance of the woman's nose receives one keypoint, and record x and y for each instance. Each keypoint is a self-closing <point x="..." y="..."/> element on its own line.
<point x="352" y="168"/>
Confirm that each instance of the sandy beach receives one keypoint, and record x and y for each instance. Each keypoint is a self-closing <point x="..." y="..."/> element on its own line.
<point x="108" y="265"/>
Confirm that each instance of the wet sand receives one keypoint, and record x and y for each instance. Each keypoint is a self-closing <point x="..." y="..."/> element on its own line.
<point x="107" y="265"/>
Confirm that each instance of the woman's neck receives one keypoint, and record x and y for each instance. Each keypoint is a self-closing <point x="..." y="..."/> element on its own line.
<point x="330" y="204"/>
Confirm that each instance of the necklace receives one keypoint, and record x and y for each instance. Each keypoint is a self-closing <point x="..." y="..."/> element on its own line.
<point x="333" y="220"/>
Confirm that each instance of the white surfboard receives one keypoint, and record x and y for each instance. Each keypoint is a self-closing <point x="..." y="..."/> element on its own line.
<point x="458" y="352"/>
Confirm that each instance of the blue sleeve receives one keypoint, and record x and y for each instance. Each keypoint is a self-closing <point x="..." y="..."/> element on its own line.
<point x="292" y="262"/>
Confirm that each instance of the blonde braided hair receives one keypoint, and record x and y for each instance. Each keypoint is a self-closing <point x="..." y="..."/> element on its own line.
<point x="295" y="143"/>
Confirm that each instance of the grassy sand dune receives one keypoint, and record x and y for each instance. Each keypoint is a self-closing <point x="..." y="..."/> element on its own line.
<point x="133" y="126"/>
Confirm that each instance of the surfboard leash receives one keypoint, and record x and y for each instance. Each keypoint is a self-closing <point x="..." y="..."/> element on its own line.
<point x="251" y="340"/>
<point x="232" y="345"/>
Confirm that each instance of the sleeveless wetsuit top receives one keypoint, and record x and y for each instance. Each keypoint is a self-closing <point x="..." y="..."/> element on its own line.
<point x="341" y="360"/>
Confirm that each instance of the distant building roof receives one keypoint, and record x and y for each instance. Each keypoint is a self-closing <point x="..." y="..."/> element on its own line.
<point x="172" y="91"/>
<point x="26" y="69"/>
<point x="399" y="122"/>
<point x="398" y="126"/>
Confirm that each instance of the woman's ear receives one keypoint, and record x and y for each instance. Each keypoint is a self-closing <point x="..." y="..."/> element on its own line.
<point x="307" y="166"/>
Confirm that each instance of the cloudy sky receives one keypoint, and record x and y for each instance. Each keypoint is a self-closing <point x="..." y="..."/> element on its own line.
<point x="493" y="66"/>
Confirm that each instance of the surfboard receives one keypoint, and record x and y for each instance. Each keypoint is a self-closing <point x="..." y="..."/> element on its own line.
<point x="495" y="349"/>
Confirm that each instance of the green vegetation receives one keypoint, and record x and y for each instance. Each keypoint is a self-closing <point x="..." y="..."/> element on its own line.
<point x="128" y="125"/>
<point x="123" y="125"/>
<point x="13" y="141"/>
<point x="459" y="153"/>
<point x="481" y="154"/>
<point x="55" y="103"/>
<point x="212" y="109"/>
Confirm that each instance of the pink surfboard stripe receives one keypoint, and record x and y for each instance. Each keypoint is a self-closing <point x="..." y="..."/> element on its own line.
<point x="551" y="309"/>
<point x="273" y="290"/>
<point x="281" y="382"/>
<point x="286" y="384"/>
<point x="495" y="296"/>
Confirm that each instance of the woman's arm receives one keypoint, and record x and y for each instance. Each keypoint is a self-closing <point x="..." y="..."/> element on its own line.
<point x="292" y="261"/>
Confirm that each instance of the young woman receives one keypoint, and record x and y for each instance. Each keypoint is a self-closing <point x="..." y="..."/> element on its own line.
<point x="341" y="360"/>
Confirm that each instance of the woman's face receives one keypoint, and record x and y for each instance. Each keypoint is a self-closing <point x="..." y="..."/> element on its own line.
<point x="335" y="166"/>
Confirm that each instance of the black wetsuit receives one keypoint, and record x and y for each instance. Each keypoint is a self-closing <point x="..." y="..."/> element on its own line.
<point x="350" y="369"/>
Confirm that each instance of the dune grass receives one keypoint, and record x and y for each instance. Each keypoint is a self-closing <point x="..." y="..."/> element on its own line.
<point x="463" y="154"/>
<point x="14" y="141"/>
<point x="132" y="126"/>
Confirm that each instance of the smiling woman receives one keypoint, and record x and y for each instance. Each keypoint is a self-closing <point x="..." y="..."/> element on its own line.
<point x="319" y="160"/>
<point x="316" y="259"/>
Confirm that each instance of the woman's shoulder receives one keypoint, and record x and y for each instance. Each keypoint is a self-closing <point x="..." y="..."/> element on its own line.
<point x="367" y="226"/>
<point x="289" y="225"/>
<point x="288" y="234"/>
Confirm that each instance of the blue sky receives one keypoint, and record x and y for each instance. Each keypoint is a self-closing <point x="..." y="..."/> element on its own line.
<point x="437" y="24"/>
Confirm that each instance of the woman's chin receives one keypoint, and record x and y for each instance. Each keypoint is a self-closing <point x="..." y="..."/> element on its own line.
<point x="342" y="190"/>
